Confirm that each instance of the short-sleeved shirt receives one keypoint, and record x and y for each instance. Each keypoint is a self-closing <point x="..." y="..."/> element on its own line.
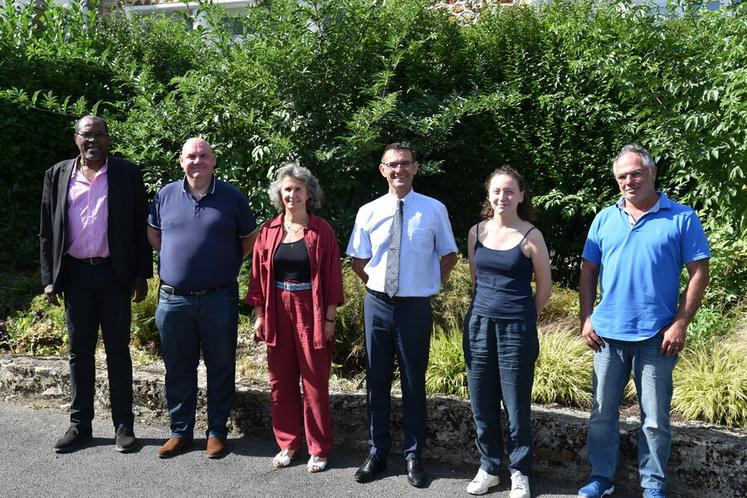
<point x="640" y="266"/>
<point x="426" y="236"/>
<point x="200" y="239"/>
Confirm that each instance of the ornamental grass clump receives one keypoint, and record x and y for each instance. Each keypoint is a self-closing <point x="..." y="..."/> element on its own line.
<point x="144" y="331"/>
<point x="452" y="302"/>
<point x="710" y="323"/>
<point x="563" y="370"/>
<point x="563" y="303"/>
<point x="710" y="384"/>
<point x="446" y="372"/>
<point x="349" y="343"/>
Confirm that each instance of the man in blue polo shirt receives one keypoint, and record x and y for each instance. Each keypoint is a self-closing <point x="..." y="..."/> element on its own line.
<point x="202" y="229"/>
<point x="636" y="250"/>
<point x="402" y="248"/>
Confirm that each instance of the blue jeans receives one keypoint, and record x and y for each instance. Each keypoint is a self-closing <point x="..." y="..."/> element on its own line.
<point x="403" y="328"/>
<point x="500" y="357"/>
<point x="652" y="374"/>
<point x="188" y="325"/>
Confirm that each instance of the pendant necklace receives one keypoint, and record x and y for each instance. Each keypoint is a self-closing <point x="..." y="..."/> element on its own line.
<point x="289" y="228"/>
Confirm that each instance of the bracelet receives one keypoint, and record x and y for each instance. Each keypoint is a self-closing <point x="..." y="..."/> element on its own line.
<point x="260" y="316"/>
<point x="328" y="320"/>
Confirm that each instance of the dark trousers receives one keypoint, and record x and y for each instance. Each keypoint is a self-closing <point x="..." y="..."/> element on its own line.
<point x="94" y="297"/>
<point x="401" y="327"/>
<point x="188" y="325"/>
<point x="500" y="357"/>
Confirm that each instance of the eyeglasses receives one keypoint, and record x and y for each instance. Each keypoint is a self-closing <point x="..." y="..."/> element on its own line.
<point x="92" y="136"/>
<point x="401" y="164"/>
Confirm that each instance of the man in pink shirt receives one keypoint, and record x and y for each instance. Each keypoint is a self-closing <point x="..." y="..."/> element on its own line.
<point x="94" y="252"/>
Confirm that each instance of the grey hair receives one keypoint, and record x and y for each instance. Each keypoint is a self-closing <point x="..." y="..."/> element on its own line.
<point x="643" y="154"/>
<point x="295" y="170"/>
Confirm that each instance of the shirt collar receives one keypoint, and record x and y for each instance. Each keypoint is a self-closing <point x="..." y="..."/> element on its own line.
<point x="664" y="202"/>
<point x="406" y="199"/>
<point x="185" y="187"/>
<point x="103" y="169"/>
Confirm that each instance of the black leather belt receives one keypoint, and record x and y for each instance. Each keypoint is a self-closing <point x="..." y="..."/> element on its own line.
<point x="385" y="297"/>
<point x="91" y="261"/>
<point x="170" y="289"/>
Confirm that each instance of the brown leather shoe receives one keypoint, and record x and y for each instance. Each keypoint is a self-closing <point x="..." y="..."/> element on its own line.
<point x="173" y="447"/>
<point x="216" y="447"/>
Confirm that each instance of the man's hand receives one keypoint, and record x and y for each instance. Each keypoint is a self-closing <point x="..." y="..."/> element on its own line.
<point x="139" y="289"/>
<point x="447" y="263"/>
<point x="674" y="339"/>
<point x="589" y="336"/>
<point x="50" y="295"/>
<point x="587" y="294"/>
<point x="359" y="267"/>
<point x="259" y="326"/>
<point x="692" y="296"/>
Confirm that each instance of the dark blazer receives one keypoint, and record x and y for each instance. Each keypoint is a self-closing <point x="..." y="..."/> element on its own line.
<point x="130" y="252"/>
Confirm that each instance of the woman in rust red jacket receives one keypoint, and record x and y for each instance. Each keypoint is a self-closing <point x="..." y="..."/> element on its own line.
<point x="295" y="289"/>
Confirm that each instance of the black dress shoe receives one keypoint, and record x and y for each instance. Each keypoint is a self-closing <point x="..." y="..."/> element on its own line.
<point x="372" y="466"/>
<point x="416" y="476"/>
<point x="72" y="440"/>
<point x="124" y="439"/>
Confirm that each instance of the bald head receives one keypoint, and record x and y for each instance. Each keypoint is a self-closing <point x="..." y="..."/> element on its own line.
<point x="197" y="159"/>
<point x="198" y="142"/>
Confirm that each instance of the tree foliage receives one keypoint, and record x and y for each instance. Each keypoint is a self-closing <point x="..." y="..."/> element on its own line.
<point x="552" y="90"/>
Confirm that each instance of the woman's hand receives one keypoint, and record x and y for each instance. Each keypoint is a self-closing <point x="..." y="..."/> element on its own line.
<point x="329" y="330"/>
<point x="259" y="329"/>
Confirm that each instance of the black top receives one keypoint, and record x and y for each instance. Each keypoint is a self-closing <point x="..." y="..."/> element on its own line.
<point x="504" y="278"/>
<point x="292" y="262"/>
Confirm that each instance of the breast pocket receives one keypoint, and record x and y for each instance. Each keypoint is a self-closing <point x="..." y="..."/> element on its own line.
<point x="422" y="241"/>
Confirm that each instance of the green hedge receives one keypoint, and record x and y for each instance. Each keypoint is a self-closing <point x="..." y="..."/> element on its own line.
<point x="554" y="90"/>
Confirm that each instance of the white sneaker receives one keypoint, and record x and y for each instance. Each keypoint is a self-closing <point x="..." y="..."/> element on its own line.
<point x="482" y="483"/>
<point x="519" y="485"/>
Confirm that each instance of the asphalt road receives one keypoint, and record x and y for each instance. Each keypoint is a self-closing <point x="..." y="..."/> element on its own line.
<point x="29" y="467"/>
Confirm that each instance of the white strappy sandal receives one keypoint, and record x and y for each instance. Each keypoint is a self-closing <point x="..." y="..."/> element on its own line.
<point x="283" y="459"/>
<point x="316" y="464"/>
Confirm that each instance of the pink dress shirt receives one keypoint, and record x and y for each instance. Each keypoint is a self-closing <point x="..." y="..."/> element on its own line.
<point x="87" y="215"/>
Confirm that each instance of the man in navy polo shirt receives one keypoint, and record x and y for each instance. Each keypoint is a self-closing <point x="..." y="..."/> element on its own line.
<point x="636" y="250"/>
<point x="403" y="249"/>
<point x="202" y="229"/>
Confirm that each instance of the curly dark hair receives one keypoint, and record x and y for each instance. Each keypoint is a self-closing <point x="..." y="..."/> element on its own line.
<point x="525" y="209"/>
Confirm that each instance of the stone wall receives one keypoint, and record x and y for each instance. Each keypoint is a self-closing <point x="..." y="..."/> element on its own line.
<point x="706" y="461"/>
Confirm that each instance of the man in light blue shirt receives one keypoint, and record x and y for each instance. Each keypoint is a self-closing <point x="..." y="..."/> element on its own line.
<point x="636" y="249"/>
<point x="403" y="249"/>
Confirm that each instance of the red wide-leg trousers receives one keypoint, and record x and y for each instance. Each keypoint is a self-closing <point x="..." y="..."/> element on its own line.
<point x="294" y="356"/>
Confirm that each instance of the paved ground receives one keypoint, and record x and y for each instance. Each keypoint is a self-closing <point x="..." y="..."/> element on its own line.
<point x="29" y="467"/>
